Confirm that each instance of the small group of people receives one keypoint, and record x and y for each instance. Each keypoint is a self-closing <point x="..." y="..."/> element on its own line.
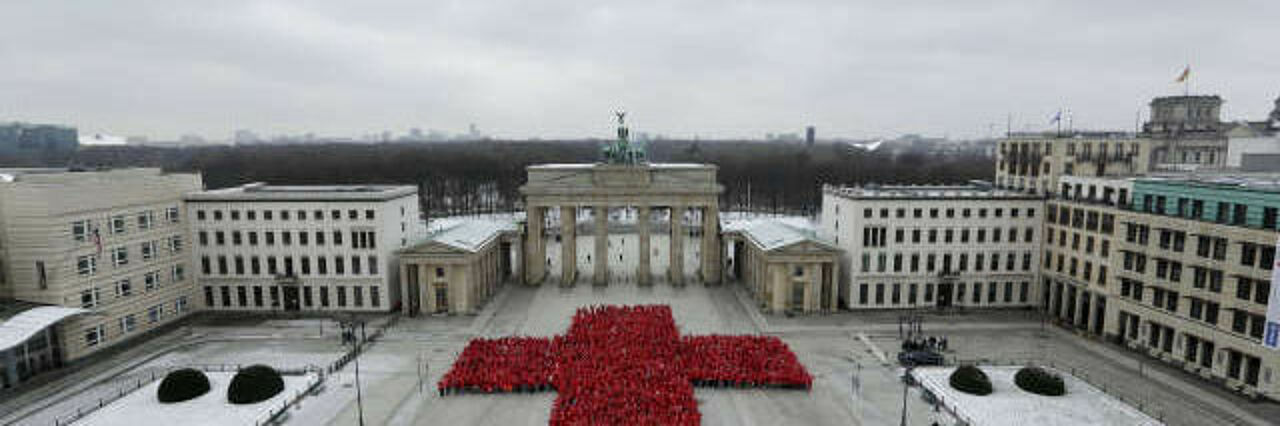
<point x="921" y="343"/>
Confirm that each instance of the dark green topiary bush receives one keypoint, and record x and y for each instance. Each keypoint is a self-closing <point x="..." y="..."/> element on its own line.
<point x="1039" y="381"/>
<point x="970" y="379"/>
<point x="182" y="385"/>
<point x="255" y="383"/>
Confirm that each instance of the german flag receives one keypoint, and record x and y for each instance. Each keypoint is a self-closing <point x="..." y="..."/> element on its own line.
<point x="1186" y="73"/>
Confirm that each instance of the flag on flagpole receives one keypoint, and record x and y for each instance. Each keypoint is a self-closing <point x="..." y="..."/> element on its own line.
<point x="97" y="240"/>
<point x="1057" y="118"/>
<point x="1186" y="73"/>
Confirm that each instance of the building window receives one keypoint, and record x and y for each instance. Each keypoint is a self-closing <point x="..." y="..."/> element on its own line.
<point x="342" y="295"/>
<point x="200" y="215"/>
<point x="89" y="297"/>
<point x="146" y="220"/>
<point x="117" y="224"/>
<point x="154" y="313"/>
<point x="94" y="335"/>
<point x="357" y="296"/>
<point x="148" y="250"/>
<point x="120" y="256"/>
<point x="355" y="265"/>
<point x="80" y="230"/>
<point x="127" y="323"/>
<point x="374" y="300"/>
<point x="151" y="280"/>
<point x="373" y="265"/>
<point x="368" y="214"/>
<point x="175" y="244"/>
<point x="177" y="273"/>
<point x="87" y="265"/>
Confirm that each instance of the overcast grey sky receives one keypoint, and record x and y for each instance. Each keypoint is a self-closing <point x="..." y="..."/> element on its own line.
<point x="556" y="68"/>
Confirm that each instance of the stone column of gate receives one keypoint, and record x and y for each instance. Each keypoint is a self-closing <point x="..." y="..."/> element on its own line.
<point x="535" y="249"/>
<point x="642" y="225"/>
<point x="676" y="271"/>
<point x="601" y="259"/>
<point x="568" y="245"/>
<point x="711" y="244"/>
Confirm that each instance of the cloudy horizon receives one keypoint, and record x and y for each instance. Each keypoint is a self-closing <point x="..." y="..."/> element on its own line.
<point x="552" y="69"/>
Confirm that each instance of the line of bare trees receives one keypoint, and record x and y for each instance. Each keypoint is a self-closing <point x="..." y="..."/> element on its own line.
<point x="485" y="176"/>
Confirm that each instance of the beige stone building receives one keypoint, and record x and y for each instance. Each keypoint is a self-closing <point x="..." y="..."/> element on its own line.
<point x="1182" y="273"/>
<point x="114" y="243"/>
<point x="458" y="268"/>
<point x="784" y="266"/>
<point x="1034" y="162"/>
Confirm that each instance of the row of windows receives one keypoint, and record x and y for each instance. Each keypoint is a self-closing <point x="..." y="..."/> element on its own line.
<point x="1072" y="266"/>
<point x="96" y="335"/>
<point x="123" y="288"/>
<point x="1228" y="213"/>
<point x="87" y="265"/>
<point x="285" y="265"/>
<point x="913" y="262"/>
<point x="1198" y="350"/>
<point x="1082" y="219"/>
<point x="85" y="230"/>
<point x="299" y="214"/>
<point x="1103" y="245"/>
<point x="875" y="236"/>
<point x="253" y="296"/>
<point x="993" y="293"/>
<point x="949" y="213"/>
<point x="359" y="239"/>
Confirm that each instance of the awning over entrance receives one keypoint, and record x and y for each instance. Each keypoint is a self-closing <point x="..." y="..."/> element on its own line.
<point x="23" y="326"/>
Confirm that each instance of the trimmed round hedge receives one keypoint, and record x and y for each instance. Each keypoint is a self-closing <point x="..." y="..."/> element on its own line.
<point x="1040" y="381"/>
<point x="182" y="385"/>
<point x="255" y="383"/>
<point x="971" y="380"/>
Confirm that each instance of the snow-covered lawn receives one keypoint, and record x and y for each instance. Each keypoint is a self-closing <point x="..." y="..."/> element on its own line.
<point x="1008" y="405"/>
<point x="141" y="407"/>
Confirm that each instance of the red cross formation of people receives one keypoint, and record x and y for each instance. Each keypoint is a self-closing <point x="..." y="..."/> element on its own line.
<point x="623" y="365"/>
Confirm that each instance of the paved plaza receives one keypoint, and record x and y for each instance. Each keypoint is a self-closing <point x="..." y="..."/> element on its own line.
<point x="849" y="355"/>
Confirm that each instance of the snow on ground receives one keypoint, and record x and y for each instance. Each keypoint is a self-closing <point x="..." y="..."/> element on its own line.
<point x="141" y="408"/>
<point x="1008" y="405"/>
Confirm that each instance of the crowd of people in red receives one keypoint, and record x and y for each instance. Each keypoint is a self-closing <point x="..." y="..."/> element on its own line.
<point x="624" y="365"/>
<point x="506" y="364"/>
<point x="743" y="361"/>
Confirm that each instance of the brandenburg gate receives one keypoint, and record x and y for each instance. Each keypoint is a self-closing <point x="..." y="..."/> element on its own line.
<point x="623" y="180"/>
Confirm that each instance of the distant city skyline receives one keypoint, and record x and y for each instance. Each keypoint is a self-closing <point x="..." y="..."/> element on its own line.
<point x="714" y="70"/>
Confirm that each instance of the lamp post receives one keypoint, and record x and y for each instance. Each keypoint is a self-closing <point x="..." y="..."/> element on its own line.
<point x="906" y="384"/>
<point x="350" y="326"/>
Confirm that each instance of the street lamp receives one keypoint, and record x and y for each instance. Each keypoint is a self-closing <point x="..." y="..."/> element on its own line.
<point x="350" y="336"/>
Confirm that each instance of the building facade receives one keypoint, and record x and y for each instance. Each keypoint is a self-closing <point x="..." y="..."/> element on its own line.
<point x="114" y="243"/>
<point x="302" y="248"/>
<point x="1035" y="162"/>
<point x="459" y="268"/>
<point x="1183" y="273"/>
<point x="785" y="267"/>
<point x="1187" y="131"/>
<point x="935" y="246"/>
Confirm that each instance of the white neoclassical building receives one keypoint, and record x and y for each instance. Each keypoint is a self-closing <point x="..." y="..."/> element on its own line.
<point x="934" y="246"/>
<point x="302" y="248"/>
